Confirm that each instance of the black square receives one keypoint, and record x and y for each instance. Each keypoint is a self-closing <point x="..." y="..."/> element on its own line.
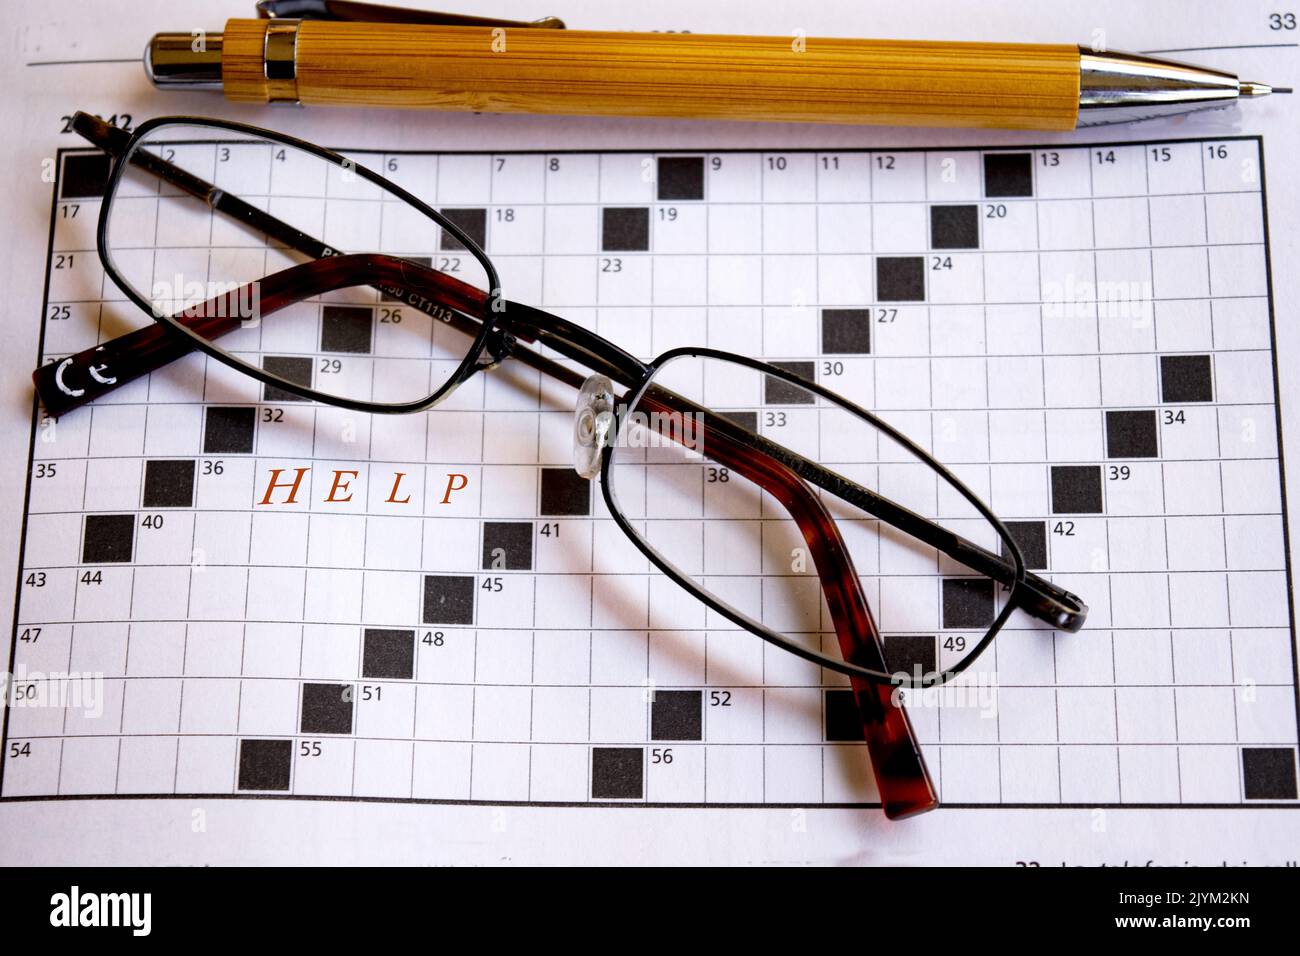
<point x="564" y="493"/>
<point x="954" y="227"/>
<point x="229" y="431"/>
<point x="746" y="420"/>
<point x="843" y="720"/>
<point x="968" y="603"/>
<point x="1131" y="434"/>
<point x="326" y="709"/>
<point x="472" y="222"/>
<point x="346" y="328"/>
<point x="388" y="654"/>
<point x="617" y="773"/>
<point x="448" y="599"/>
<point x="169" y="484"/>
<point x="681" y="177"/>
<point x="85" y="175"/>
<point x="900" y="279"/>
<point x="291" y="368"/>
<point x="1008" y="174"/>
<point x="846" y="331"/>
<point x="1076" y="489"/>
<point x="677" y="715"/>
<point x="913" y="654"/>
<point x="625" y="229"/>
<point x="507" y="546"/>
<point x="1186" y="378"/>
<point x="1031" y="536"/>
<point x="264" y="764"/>
<point x="107" y="539"/>
<point x="1269" y="773"/>
<point x="777" y="391"/>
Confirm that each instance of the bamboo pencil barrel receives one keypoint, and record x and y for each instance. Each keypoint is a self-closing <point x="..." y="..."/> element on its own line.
<point x="814" y="80"/>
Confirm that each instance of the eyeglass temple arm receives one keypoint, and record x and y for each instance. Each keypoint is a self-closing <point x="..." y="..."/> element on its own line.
<point x="1038" y="597"/>
<point x="901" y="775"/>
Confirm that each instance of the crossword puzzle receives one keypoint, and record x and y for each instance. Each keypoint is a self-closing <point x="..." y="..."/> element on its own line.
<point x="226" y="590"/>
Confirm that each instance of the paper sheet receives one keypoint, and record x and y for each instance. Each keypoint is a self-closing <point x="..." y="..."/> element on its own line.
<point x="1164" y="732"/>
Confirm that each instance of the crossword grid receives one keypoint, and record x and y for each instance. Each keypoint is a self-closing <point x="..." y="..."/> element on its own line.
<point x="925" y="280"/>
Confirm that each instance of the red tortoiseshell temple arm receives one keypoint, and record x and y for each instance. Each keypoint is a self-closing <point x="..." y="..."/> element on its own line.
<point x="901" y="775"/>
<point x="85" y="376"/>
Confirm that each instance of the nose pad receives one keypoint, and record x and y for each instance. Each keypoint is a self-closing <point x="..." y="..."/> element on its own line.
<point x="593" y="424"/>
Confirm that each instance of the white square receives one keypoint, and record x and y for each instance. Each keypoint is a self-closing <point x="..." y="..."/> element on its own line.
<point x="1232" y="166"/>
<point x="1012" y="277"/>
<point x="1177" y="220"/>
<point x="500" y="772"/>
<point x="1026" y="715"/>
<point x="210" y="706"/>
<point x="684" y="284"/>
<point x="1239" y="324"/>
<point x="1234" y="218"/>
<point x="1195" y="543"/>
<point x="445" y="712"/>
<point x="1254" y="542"/>
<point x="735" y="280"/>
<point x="1014" y="329"/>
<point x="1198" y="599"/>
<point x="734" y="775"/>
<point x="205" y="764"/>
<point x="382" y="768"/>
<point x="1139" y="600"/>
<point x="1180" y="273"/>
<point x="618" y="714"/>
<point x="275" y="594"/>
<point x="1238" y="271"/>
<point x="1017" y="436"/>
<point x="1185" y="325"/>
<point x="218" y="594"/>
<point x="1009" y="226"/>
<point x="502" y="713"/>
<point x="1085" y="715"/>
<point x="147" y="765"/>
<point x="1257" y="598"/>
<point x="1089" y="775"/>
<point x="899" y="227"/>
<point x="329" y="651"/>
<point x="558" y="773"/>
<point x="844" y="227"/>
<point x="1249" y="487"/>
<point x="789" y="227"/>
<point x="898" y="177"/>
<point x="1030" y="774"/>
<point x="441" y="771"/>
<point x="1192" y="488"/>
<point x="958" y="330"/>
<point x="792" y="775"/>
<point x="572" y="178"/>
<point x="1121" y="223"/>
<point x="1128" y="380"/>
<point x="1119" y="171"/>
<point x="627" y="177"/>
<point x="570" y="281"/>
<point x="1074" y="434"/>
<point x="1072" y="381"/>
<point x="970" y="775"/>
<point x="789" y="281"/>
<point x="1146" y="715"/>
<point x="560" y="714"/>
<point x="735" y="229"/>
<point x="1065" y="224"/>
<point x="1149" y="774"/>
<point x="1210" y="774"/>
<point x="1205" y="715"/>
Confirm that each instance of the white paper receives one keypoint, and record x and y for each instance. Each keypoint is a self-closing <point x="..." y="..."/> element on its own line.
<point x="1137" y="724"/>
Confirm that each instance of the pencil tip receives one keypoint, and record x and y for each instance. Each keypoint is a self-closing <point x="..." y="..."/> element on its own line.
<point x="1251" y="88"/>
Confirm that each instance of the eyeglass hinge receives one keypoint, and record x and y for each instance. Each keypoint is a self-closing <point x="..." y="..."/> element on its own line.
<point x="382" y="13"/>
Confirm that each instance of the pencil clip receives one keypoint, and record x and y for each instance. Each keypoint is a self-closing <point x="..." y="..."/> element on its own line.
<point x="381" y="13"/>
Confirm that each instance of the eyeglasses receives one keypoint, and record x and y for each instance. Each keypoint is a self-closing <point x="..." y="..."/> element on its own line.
<point x="776" y="502"/>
